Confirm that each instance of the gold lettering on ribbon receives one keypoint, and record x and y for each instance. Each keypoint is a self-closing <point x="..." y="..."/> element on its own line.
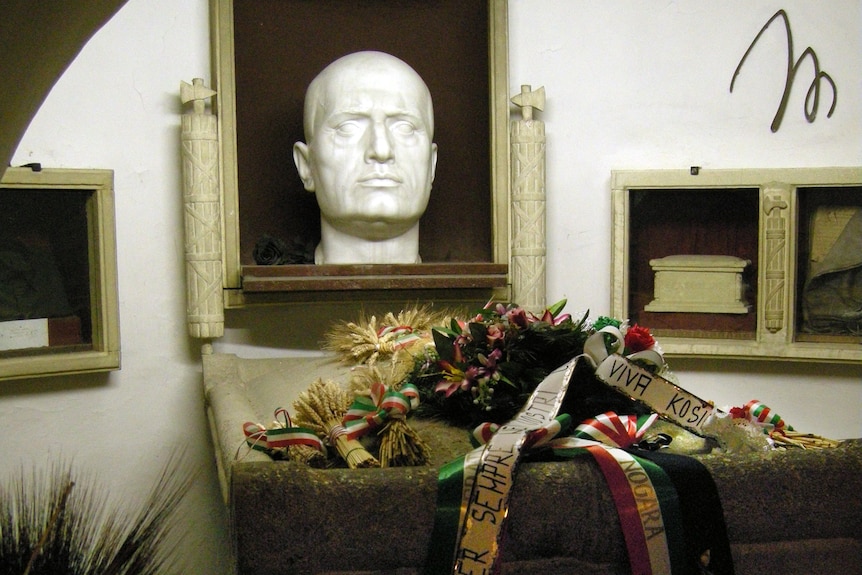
<point x="478" y="545"/>
<point x="668" y="400"/>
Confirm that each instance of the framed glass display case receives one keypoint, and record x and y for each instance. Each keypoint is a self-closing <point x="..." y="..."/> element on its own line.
<point x="742" y="263"/>
<point x="58" y="273"/>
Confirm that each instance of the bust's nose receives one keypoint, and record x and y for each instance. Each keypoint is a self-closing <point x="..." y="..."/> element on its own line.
<point x="379" y="147"/>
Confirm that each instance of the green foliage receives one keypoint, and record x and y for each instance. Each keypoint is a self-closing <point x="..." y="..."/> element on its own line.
<point x="484" y="368"/>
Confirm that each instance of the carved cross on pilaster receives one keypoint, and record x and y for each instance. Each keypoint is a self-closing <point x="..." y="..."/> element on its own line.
<point x="196" y="92"/>
<point x="528" y="99"/>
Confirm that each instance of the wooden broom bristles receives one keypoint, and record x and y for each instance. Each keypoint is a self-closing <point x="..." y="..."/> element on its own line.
<point x="401" y="446"/>
<point x="307" y="455"/>
<point x="803" y="440"/>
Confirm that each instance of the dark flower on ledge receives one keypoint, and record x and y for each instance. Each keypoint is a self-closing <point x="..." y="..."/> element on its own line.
<point x="271" y="251"/>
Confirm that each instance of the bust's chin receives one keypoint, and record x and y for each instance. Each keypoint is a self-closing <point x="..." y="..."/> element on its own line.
<point x="387" y="206"/>
<point x="376" y="227"/>
<point x="368" y="242"/>
<point x="363" y="256"/>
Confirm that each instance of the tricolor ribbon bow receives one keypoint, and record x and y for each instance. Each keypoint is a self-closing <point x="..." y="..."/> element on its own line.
<point x="759" y="414"/>
<point x="608" y="430"/>
<point x="368" y="412"/>
<point x="615" y="430"/>
<point x="397" y="337"/>
<point x="282" y="436"/>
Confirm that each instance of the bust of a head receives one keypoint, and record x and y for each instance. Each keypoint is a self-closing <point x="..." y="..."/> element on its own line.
<point x="369" y="157"/>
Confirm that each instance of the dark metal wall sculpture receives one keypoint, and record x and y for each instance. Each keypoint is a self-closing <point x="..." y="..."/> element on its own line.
<point x="812" y="97"/>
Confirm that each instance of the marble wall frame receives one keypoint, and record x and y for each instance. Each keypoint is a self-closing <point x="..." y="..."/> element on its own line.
<point x="485" y="272"/>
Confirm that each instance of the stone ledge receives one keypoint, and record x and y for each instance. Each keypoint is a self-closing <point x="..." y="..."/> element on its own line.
<point x="292" y="519"/>
<point x="794" y="512"/>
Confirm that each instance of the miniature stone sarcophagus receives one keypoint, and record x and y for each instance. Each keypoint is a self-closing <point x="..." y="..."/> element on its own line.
<point x="699" y="283"/>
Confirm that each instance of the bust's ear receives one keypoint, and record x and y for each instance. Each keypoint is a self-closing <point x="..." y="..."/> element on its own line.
<point x="433" y="160"/>
<point x="300" y="158"/>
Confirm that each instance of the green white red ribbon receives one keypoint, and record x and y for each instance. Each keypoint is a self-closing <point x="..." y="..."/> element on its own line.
<point x="615" y="430"/>
<point x="638" y="509"/>
<point x="473" y="491"/>
<point x="758" y="413"/>
<point x="483" y="433"/>
<point x="368" y="412"/>
<point x="262" y="439"/>
<point x="399" y="336"/>
<point x="643" y="495"/>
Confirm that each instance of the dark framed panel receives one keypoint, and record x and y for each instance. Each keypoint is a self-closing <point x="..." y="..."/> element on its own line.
<point x="791" y="231"/>
<point x="829" y="260"/>
<point x="265" y="54"/>
<point x="58" y="290"/>
<point x="666" y="222"/>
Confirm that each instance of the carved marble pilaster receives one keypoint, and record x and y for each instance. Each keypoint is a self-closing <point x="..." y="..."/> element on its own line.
<point x="202" y="214"/>
<point x="528" y="256"/>
<point x="775" y="204"/>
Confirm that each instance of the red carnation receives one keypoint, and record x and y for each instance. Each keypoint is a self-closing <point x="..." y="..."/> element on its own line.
<point x="638" y="339"/>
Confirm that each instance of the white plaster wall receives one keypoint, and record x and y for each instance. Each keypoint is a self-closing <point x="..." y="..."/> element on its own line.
<point x="636" y="85"/>
<point x="631" y="84"/>
<point x="118" y="107"/>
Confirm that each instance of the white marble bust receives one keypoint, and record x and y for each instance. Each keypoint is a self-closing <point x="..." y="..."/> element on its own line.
<point x="369" y="158"/>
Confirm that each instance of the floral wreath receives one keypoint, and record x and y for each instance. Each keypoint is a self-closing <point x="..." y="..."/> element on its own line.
<point x="473" y="369"/>
<point x="483" y="369"/>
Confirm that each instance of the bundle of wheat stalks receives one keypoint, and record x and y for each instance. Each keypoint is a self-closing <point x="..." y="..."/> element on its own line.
<point x="400" y="445"/>
<point x="321" y="408"/>
<point x="385" y="351"/>
<point x="370" y="340"/>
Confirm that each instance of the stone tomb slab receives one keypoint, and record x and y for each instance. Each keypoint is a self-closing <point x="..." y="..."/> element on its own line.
<point x="792" y="512"/>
